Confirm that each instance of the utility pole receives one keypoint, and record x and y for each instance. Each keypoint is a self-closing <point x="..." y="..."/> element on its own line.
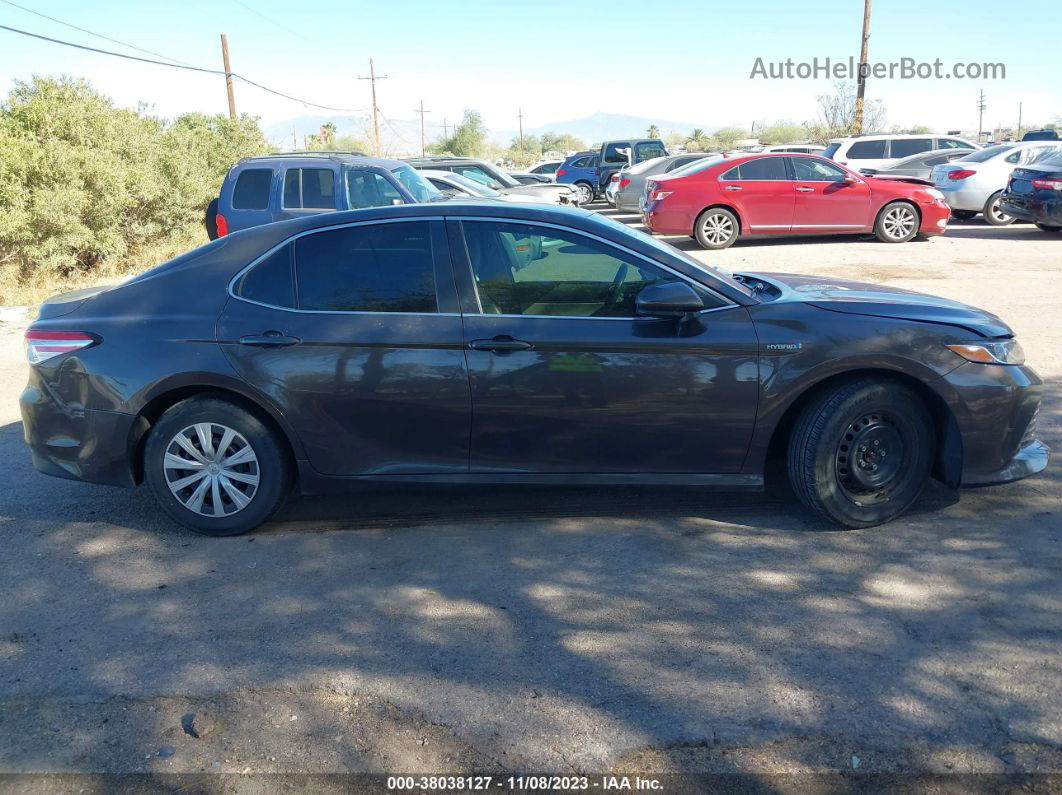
<point x="228" y="75"/>
<point x="520" y="118"/>
<point x="375" y="110"/>
<point x="980" y="114"/>
<point x="446" y="129"/>
<point x="1018" y="136"/>
<point x="861" y="78"/>
<point x="421" y="112"/>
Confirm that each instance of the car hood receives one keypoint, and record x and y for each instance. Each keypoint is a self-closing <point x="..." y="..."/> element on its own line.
<point x="878" y="300"/>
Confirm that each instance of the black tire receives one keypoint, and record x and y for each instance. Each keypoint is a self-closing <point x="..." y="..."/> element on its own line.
<point x="963" y="215"/>
<point x="1048" y="228"/>
<point x="586" y="193"/>
<point x="210" y="219"/>
<point x="272" y="467"/>
<point x="716" y="228"/>
<point x="897" y="222"/>
<point x="834" y="459"/>
<point x="992" y="213"/>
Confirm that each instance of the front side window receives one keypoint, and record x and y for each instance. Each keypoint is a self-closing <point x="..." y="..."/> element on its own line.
<point x="251" y="191"/>
<point x="864" y="150"/>
<point x="369" y="189"/>
<point x="479" y="175"/>
<point x="309" y="189"/>
<point x="523" y="269"/>
<point x="809" y="169"/>
<point x="905" y="147"/>
<point x="373" y="268"/>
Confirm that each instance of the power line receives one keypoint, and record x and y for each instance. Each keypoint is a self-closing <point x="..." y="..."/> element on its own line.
<point x="180" y="66"/>
<point x="92" y="33"/>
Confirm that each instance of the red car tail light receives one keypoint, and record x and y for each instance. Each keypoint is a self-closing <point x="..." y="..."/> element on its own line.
<point x="223" y="225"/>
<point x="659" y="195"/>
<point x="960" y="173"/>
<point x="44" y="345"/>
<point x="1047" y="184"/>
<point x="614" y="178"/>
<point x="561" y="172"/>
<point x="625" y="182"/>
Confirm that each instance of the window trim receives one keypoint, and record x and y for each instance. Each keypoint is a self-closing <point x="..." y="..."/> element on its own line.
<point x="727" y="303"/>
<point x="230" y="289"/>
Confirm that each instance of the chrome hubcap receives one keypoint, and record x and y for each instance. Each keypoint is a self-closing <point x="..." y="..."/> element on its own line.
<point x="585" y="195"/>
<point x="717" y="229"/>
<point x="211" y="469"/>
<point x="899" y="222"/>
<point x="997" y="214"/>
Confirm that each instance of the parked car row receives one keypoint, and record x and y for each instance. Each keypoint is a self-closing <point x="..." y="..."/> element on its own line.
<point x="591" y="172"/>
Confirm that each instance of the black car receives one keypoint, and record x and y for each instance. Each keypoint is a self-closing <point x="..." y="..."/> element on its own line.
<point x="474" y="342"/>
<point x="1034" y="193"/>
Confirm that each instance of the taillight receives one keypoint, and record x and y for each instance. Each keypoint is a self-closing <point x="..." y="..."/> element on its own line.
<point x="614" y="178"/>
<point x="960" y="173"/>
<point x="561" y="172"/>
<point x="625" y="182"/>
<point x="659" y="195"/>
<point x="43" y="345"/>
<point x="223" y="225"/>
<point x="1047" y="184"/>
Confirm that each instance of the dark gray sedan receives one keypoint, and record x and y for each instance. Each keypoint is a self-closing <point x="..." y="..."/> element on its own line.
<point x="631" y="184"/>
<point x="478" y="342"/>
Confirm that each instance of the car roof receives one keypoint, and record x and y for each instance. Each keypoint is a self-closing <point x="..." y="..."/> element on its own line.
<point x="428" y="160"/>
<point x="352" y="158"/>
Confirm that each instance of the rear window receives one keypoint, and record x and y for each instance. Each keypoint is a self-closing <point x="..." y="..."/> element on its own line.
<point x="252" y="189"/>
<point x="269" y="282"/>
<point x="983" y="155"/>
<point x="646" y="150"/>
<point x="866" y="150"/>
<point x="373" y="268"/>
<point x="309" y="189"/>
<point x="905" y="147"/>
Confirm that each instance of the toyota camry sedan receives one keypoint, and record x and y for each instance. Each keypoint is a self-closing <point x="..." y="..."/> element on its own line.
<point x="719" y="200"/>
<point x="475" y="342"/>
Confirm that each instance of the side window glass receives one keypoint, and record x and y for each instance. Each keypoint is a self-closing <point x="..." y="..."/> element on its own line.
<point x="765" y="168"/>
<point x="867" y="150"/>
<point x="732" y="174"/>
<point x="479" y="175"/>
<point x="309" y="189"/>
<point x="808" y="169"/>
<point x="905" y="147"/>
<point x="269" y="282"/>
<point x="373" y="268"/>
<point x="522" y="269"/>
<point x="617" y="153"/>
<point x="251" y="191"/>
<point x="647" y="151"/>
<point x="369" y="189"/>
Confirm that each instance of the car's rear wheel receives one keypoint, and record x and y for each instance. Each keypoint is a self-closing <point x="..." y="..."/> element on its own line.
<point x="860" y="453"/>
<point x="586" y="192"/>
<point x="716" y="228"/>
<point x="963" y="215"/>
<point x="215" y="467"/>
<point x="1049" y="228"/>
<point x="210" y="219"/>
<point x="993" y="215"/>
<point x="897" y="223"/>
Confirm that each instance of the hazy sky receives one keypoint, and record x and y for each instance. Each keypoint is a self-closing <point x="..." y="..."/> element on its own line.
<point x="687" y="60"/>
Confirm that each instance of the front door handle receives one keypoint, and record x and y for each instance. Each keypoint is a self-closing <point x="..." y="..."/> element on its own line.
<point x="503" y="343"/>
<point x="270" y="339"/>
<point x="802" y="189"/>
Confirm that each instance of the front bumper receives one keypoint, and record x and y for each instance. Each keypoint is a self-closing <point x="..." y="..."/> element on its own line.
<point x="1031" y="459"/>
<point x="71" y="442"/>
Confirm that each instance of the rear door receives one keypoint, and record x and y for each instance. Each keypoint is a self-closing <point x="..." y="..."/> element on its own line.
<point x="825" y="202"/>
<point x="762" y="192"/>
<point x="354" y="334"/>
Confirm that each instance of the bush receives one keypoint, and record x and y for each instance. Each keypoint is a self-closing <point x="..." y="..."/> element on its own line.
<point x="88" y="189"/>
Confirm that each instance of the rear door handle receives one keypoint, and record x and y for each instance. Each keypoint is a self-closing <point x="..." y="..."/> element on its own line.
<point x="802" y="189"/>
<point x="500" y="344"/>
<point x="732" y="187"/>
<point x="270" y="339"/>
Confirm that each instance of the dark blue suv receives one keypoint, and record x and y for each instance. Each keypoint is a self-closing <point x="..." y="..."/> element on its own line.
<point x="580" y="171"/>
<point x="260" y="190"/>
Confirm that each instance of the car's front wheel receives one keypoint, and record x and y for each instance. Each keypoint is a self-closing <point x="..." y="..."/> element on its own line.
<point x="215" y="467"/>
<point x="716" y="228"/>
<point x="897" y="223"/>
<point x="995" y="216"/>
<point x="861" y="452"/>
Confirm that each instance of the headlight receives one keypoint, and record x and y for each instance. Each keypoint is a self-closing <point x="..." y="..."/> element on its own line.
<point x="1002" y="352"/>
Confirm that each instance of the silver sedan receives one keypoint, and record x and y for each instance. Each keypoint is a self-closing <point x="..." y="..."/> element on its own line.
<point x="631" y="183"/>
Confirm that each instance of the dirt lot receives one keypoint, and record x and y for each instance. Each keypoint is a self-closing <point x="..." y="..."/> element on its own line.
<point x="560" y="630"/>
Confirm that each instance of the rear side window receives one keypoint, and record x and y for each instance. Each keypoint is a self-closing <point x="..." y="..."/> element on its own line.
<point x="372" y="268"/>
<point x="269" y="282"/>
<point x="252" y="189"/>
<point x="867" y="150"/>
<point x="309" y="189"/>
<point x="765" y="168"/>
<point x="952" y="143"/>
<point x="582" y="162"/>
<point x="905" y="147"/>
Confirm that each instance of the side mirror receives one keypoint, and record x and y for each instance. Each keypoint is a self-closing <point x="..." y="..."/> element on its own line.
<point x="849" y="179"/>
<point x="670" y="299"/>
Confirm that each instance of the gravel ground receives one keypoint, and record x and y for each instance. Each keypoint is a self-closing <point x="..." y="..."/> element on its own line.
<point x="626" y="630"/>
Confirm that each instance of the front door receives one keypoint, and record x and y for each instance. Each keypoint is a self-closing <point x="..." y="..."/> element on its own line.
<point x="565" y="377"/>
<point x="354" y="335"/>
<point x="825" y="202"/>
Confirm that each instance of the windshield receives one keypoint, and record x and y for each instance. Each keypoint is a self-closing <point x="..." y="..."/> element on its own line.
<point x="474" y="187"/>
<point x="422" y="190"/>
<point x="831" y="149"/>
<point x="1052" y="158"/>
<point x="983" y="155"/>
<point x="665" y="248"/>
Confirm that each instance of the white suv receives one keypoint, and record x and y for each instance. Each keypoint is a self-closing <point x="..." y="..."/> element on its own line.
<point x="874" y="151"/>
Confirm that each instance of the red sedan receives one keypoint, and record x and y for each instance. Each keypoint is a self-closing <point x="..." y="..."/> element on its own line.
<point x="788" y="194"/>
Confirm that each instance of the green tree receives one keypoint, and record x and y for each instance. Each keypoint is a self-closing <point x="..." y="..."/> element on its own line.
<point x="653" y="131"/>
<point x="469" y="138"/>
<point x="561" y="142"/>
<point x="781" y="132"/>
